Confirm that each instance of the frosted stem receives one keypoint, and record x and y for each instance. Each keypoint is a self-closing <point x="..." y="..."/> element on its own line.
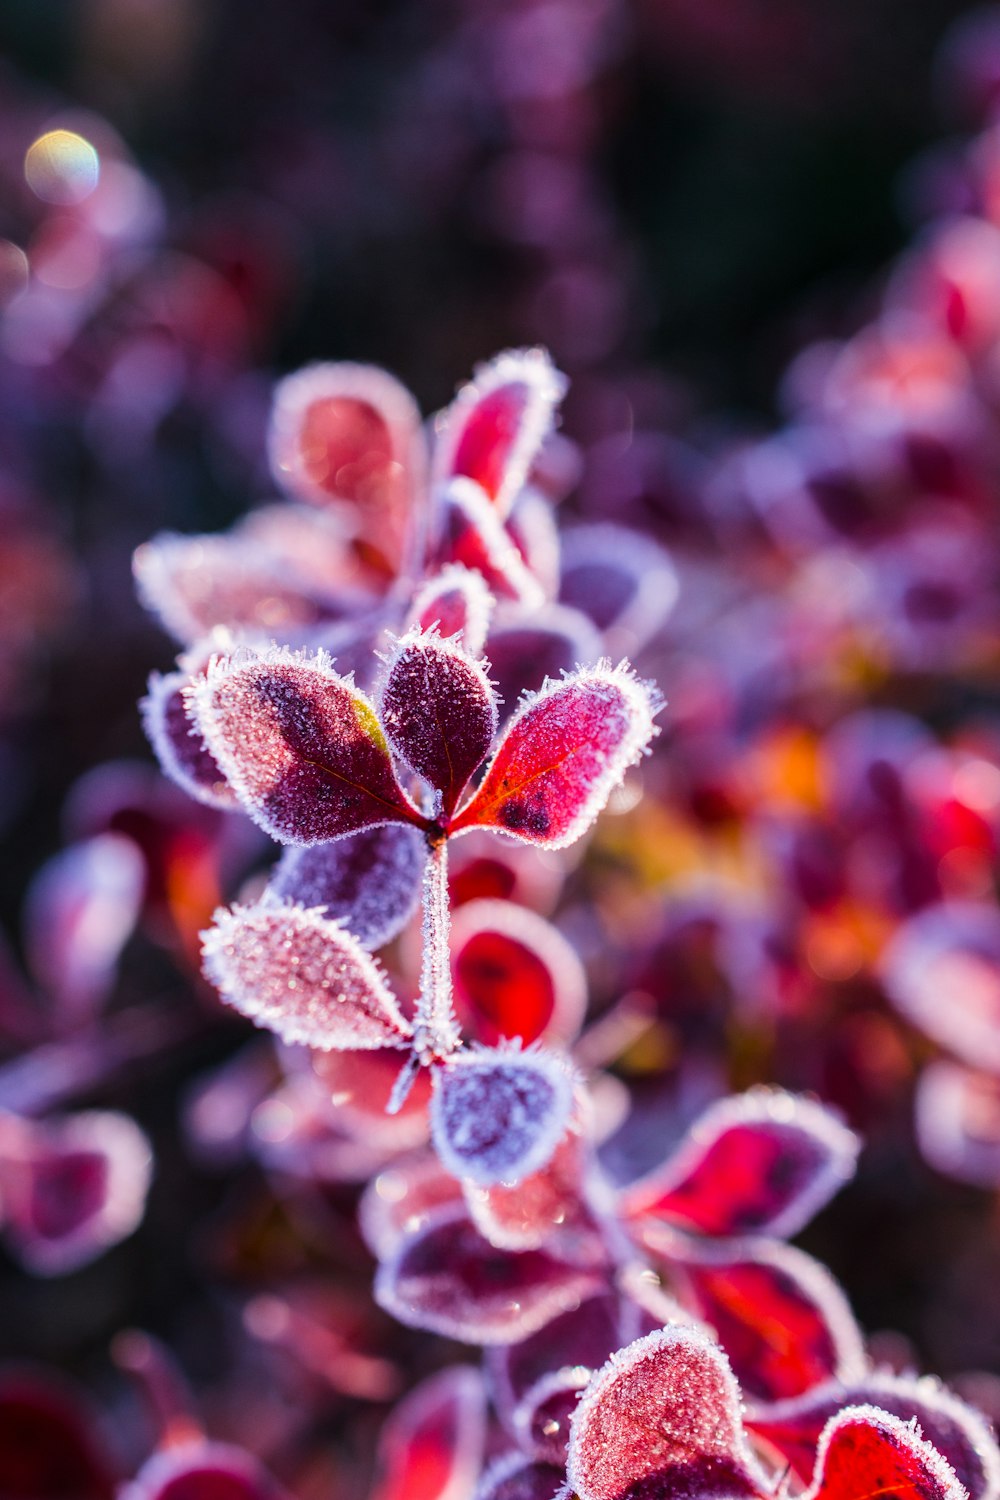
<point x="437" y="1031"/>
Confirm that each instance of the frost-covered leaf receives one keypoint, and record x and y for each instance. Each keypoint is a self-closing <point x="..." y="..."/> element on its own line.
<point x="203" y="1471"/>
<point x="562" y="755"/>
<point x="759" y="1163"/>
<point x="446" y="1278"/>
<point x="179" y="746"/>
<point x="471" y="533"/>
<point x="515" y="974"/>
<point x="661" y="1421"/>
<point x="71" y="1187"/>
<point x="515" y="1477"/>
<point x="303" y="977"/>
<point x="793" y="1428"/>
<point x="81" y="908"/>
<point x="351" y="433"/>
<point x="439" y="711"/>
<point x="431" y="1447"/>
<point x="957" y="1118"/>
<point x="195" y="583"/>
<point x="301" y="747"/>
<point x="942" y="972"/>
<point x="360" y="1085"/>
<point x="621" y="580"/>
<point x="527" y="646"/>
<point x="542" y="1416"/>
<point x="548" y="1202"/>
<point x="498" y="1115"/>
<point x="532" y="528"/>
<point x="50" y="1447"/>
<point x="780" y="1316"/>
<point x="403" y="1198"/>
<point x="865" y="1452"/>
<point x="493" y="430"/>
<point x="455" y="602"/>
<point x="370" y="880"/>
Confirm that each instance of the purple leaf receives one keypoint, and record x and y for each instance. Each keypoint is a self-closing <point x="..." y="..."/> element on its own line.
<point x="431" y="1447"/>
<point x="621" y="579"/>
<point x="864" y="1452"/>
<point x="542" y="1416"/>
<point x="370" y="880"/>
<point x="71" y="1187"/>
<point x="527" y="646"/>
<point x="562" y="754"/>
<point x="760" y="1163"/>
<point x="301" y="746"/>
<point x="661" y="1421"/>
<point x="203" y="1471"/>
<point x="942" y="972"/>
<point x="404" y="1198"/>
<point x="439" y="711"/>
<point x="532" y="527"/>
<point x="303" y="977"/>
<point x="794" y="1428"/>
<point x="958" y="1122"/>
<point x="515" y="1477"/>
<point x="457" y="603"/>
<point x="498" y="1115"/>
<point x="179" y="746"/>
<point x="446" y="1278"/>
<point x="81" y="908"/>
<point x="493" y="430"/>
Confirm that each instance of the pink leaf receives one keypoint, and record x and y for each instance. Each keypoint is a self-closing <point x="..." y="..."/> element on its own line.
<point x="515" y="1477"/>
<point x="370" y="880"/>
<point x="202" y="1471"/>
<point x="515" y="974"/>
<point x="760" y="1163"/>
<point x="546" y="1203"/>
<point x="532" y="528"/>
<point x="957" y="1432"/>
<point x="351" y="433"/>
<point x="497" y="1116"/>
<point x="864" y="1452"/>
<point x="447" y="1279"/>
<point x="662" y="1420"/>
<point x="457" y="603"/>
<point x="71" y="1187"/>
<point x="403" y="1199"/>
<point x="360" y="1086"/>
<point x="179" y="746"/>
<point x="439" y="711"/>
<point x="81" y="908"/>
<point x="527" y="646"/>
<point x="779" y="1315"/>
<point x="195" y="583"/>
<point x="302" y="977"/>
<point x="431" y="1447"/>
<point x="472" y="534"/>
<point x="301" y="746"/>
<point x="942" y="972"/>
<point x="958" y="1122"/>
<point x="496" y="425"/>
<point x="562" y="755"/>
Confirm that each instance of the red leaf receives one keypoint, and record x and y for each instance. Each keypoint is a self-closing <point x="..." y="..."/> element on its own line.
<point x="370" y="880"/>
<point x="301" y="746"/>
<point x="864" y="1453"/>
<point x="203" y="1471"/>
<point x="661" y="1421"/>
<point x="543" y="1415"/>
<point x="515" y="975"/>
<point x="760" y="1163"/>
<point x="302" y="977"/>
<point x="562" y="755"/>
<point x="471" y="533"/>
<point x="956" y="1431"/>
<point x="403" y="1199"/>
<point x="351" y="433"/>
<point x="546" y="1203"/>
<point x="496" y="425"/>
<point x="439" y="711"/>
<point x="360" y="1085"/>
<point x="457" y="603"/>
<point x="48" y="1444"/>
<point x="779" y="1315"/>
<point x="497" y="1116"/>
<point x="431" y="1447"/>
<point x="447" y="1279"/>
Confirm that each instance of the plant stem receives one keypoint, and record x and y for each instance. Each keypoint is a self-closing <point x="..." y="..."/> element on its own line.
<point x="437" y="1031"/>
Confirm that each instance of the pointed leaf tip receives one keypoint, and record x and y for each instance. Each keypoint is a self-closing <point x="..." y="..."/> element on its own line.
<point x="300" y="745"/>
<point x="562" y="754"/>
<point x="302" y="977"/>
